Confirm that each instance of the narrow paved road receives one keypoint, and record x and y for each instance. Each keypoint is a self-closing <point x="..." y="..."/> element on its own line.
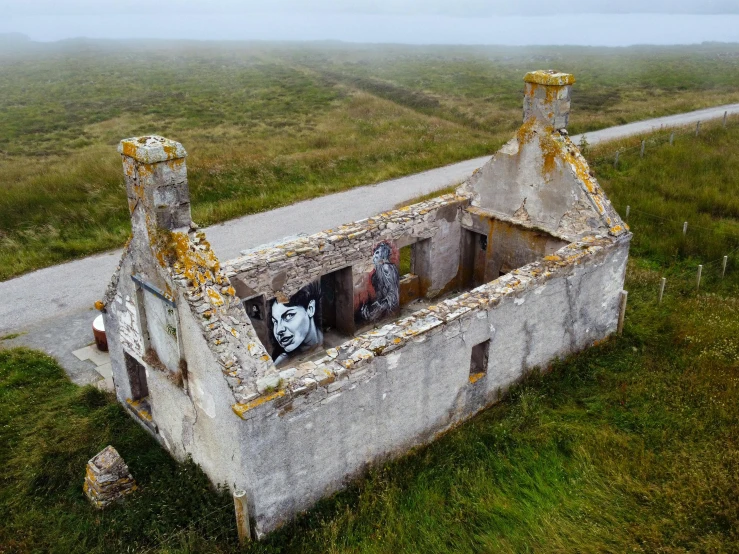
<point x="52" y="307"/>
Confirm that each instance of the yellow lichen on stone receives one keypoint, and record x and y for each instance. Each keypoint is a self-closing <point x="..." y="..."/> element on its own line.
<point x="550" y="147"/>
<point x="475" y="377"/>
<point x="215" y="298"/>
<point x="199" y="265"/>
<point x="526" y="131"/>
<point x="139" y="409"/>
<point x="549" y="77"/>
<point x="241" y="409"/>
<point x="99" y="306"/>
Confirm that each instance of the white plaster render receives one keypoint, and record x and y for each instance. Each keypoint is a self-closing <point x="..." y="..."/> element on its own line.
<point x="302" y="431"/>
<point x="381" y="404"/>
<point x="541" y="179"/>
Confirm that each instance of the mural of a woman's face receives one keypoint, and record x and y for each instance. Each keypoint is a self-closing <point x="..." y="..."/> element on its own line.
<point x="291" y="324"/>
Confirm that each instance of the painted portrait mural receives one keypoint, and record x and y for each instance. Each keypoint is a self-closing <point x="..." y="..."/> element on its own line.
<point x="296" y="325"/>
<point x="382" y="298"/>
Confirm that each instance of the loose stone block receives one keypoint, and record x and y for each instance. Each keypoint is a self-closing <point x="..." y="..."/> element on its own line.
<point x="107" y="478"/>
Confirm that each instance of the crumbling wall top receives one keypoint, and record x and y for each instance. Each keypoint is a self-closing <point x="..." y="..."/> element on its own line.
<point x="151" y="149"/>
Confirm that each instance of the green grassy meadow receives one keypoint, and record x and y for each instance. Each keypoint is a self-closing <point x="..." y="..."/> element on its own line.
<point x="269" y="124"/>
<point x="631" y="446"/>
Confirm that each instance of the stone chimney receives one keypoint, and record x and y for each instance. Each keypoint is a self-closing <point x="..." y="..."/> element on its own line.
<point x="156" y="178"/>
<point x="547" y="97"/>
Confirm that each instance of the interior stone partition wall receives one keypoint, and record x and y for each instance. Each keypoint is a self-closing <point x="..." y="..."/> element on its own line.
<point x="531" y="237"/>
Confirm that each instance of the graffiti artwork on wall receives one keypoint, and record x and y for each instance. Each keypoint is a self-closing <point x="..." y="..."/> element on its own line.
<point x="296" y="325"/>
<point x="385" y="280"/>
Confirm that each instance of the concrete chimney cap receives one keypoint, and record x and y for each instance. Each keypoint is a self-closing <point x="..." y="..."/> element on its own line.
<point x="549" y="77"/>
<point x="151" y="149"/>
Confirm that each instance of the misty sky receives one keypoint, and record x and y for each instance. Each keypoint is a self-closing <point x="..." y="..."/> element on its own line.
<point x="515" y="22"/>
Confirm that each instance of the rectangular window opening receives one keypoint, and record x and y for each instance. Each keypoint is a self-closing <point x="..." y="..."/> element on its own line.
<point x="406" y="260"/>
<point x="136" y="377"/>
<point x="337" y="302"/>
<point x="414" y="270"/>
<point x="139" y="403"/>
<point x="479" y="360"/>
<point x="257" y="312"/>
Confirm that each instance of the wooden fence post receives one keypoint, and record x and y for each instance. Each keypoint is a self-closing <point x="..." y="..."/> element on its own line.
<point x="641" y="155"/>
<point x="672" y="137"/>
<point x="628" y="210"/>
<point x="725" y="116"/>
<point x="698" y="280"/>
<point x="662" y="289"/>
<point x="723" y="269"/>
<point x="697" y="128"/>
<point x="685" y="228"/>
<point x="242" y="516"/>
<point x="615" y="162"/>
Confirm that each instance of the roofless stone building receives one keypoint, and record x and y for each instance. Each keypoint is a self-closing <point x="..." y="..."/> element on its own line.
<point x="284" y="372"/>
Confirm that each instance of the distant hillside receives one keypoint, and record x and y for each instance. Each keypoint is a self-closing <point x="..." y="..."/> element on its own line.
<point x="14" y="40"/>
<point x="9" y="38"/>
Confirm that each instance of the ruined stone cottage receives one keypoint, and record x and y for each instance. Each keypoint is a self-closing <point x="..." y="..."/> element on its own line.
<point x="287" y="370"/>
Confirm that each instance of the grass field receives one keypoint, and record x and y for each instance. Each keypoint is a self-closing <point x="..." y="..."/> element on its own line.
<point x="269" y="124"/>
<point x="632" y="446"/>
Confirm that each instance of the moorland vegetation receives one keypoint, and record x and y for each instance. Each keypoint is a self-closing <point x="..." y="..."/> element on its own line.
<point x="269" y="124"/>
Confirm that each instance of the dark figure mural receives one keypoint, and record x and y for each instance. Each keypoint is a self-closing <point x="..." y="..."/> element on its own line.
<point x="386" y="282"/>
<point x="296" y="326"/>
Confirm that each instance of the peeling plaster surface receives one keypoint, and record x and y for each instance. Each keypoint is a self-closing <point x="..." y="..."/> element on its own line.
<point x="540" y="178"/>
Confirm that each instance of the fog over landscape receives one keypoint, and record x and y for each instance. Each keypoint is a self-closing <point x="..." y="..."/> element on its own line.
<point x="531" y="22"/>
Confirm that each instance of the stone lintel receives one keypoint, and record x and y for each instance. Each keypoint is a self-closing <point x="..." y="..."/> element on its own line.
<point x="549" y="77"/>
<point x="151" y="149"/>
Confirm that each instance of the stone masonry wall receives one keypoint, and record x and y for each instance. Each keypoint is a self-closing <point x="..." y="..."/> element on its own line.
<point x="280" y="270"/>
<point x="400" y="385"/>
<point x="316" y="381"/>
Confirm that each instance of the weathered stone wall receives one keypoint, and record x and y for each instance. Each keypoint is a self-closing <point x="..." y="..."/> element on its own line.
<point x="540" y="178"/>
<point x="123" y="309"/>
<point x="509" y="245"/>
<point x="293" y="434"/>
<point x="179" y="320"/>
<point x="187" y="411"/>
<point x="399" y="386"/>
<point x="281" y="270"/>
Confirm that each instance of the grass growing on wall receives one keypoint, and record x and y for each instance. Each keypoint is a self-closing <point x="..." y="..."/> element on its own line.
<point x="631" y="446"/>
<point x="267" y="125"/>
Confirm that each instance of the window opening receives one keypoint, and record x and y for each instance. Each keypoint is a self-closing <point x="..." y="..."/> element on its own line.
<point x="256" y="310"/>
<point x="479" y="360"/>
<point x="136" y="377"/>
<point x="337" y="302"/>
<point x="406" y="260"/>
